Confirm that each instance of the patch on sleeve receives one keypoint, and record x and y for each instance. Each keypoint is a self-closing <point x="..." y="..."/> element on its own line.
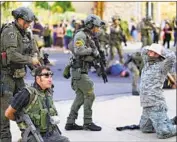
<point x="11" y="35"/>
<point x="79" y="43"/>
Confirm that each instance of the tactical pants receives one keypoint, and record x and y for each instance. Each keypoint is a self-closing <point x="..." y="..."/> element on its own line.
<point x="10" y="87"/>
<point x="135" y="75"/>
<point x="155" y="119"/>
<point x="55" y="137"/>
<point x="118" y="47"/>
<point x="84" y="96"/>
<point x="146" y="41"/>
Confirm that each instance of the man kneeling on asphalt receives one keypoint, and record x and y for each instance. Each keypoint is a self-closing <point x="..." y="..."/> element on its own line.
<point x="157" y="63"/>
<point x="36" y="102"/>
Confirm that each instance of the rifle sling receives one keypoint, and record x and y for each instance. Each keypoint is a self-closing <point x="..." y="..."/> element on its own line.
<point x="48" y="116"/>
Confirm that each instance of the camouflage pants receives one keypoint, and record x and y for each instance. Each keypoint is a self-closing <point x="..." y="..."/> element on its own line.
<point x="146" y="41"/>
<point x="55" y="137"/>
<point x="155" y="119"/>
<point x="10" y="87"/>
<point x="83" y="88"/>
<point x="118" y="47"/>
<point x="135" y="75"/>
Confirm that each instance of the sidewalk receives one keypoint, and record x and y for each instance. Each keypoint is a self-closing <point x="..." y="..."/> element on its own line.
<point x="110" y="112"/>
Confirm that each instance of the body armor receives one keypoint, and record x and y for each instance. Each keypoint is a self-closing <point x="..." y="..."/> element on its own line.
<point x="38" y="111"/>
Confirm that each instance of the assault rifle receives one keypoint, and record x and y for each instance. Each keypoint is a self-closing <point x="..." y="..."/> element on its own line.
<point x="101" y="60"/>
<point x="31" y="128"/>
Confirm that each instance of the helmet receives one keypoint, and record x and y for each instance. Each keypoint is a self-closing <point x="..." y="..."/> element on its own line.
<point x="116" y="17"/>
<point x="148" y="18"/>
<point x="93" y="20"/>
<point x="24" y="13"/>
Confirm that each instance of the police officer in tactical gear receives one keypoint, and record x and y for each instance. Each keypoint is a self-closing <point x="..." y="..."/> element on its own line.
<point x="17" y="50"/>
<point x="83" y="56"/>
<point x="103" y="38"/>
<point x="135" y="64"/>
<point x="116" y="33"/>
<point x="146" y="28"/>
<point x="36" y="102"/>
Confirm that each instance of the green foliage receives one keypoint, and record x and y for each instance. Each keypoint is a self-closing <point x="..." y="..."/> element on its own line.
<point x="5" y="5"/>
<point x="124" y="25"/>
<point x="42" y="4"/>
<point x="66" y="5"/>
<point x="6" y="8"/>
<point x="56" y="7"/>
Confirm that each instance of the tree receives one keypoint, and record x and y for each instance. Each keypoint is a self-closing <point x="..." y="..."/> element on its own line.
<point x="6" y="8"/>
<point x="56" y="7"/>
<point x="66" y="5"/>
<point x="43" y="4"/>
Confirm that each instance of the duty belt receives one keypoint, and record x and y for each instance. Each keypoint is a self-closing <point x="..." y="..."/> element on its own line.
<point x="6" y="71"/>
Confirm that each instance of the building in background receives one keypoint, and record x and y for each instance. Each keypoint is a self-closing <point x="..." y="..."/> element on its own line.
<point x="128" y="10"/>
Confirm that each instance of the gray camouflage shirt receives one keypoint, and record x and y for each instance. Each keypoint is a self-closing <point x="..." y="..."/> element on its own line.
<point x="153" y="77"/>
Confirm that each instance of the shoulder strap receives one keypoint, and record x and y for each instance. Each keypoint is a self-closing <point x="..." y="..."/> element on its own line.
<point x="33" y="98"/>
<point x="4" y="26"/>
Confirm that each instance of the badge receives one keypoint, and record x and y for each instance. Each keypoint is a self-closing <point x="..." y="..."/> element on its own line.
<point x="79" y="43"/>
<point x="11" y="35"/>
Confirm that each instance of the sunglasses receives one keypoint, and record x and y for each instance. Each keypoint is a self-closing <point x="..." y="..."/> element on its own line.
<point x="47" y="74"/>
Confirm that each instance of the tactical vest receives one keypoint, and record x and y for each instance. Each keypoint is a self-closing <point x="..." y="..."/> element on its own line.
<point x="80" y="61"/>
<point x="38" y="110"/>
<point x="116" y="35"/>
<point x="146" y="30"/>
<point x="23" y="44"/>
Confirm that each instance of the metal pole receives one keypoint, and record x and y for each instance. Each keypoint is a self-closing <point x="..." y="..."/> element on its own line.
<point x="158" y="12"/>
<point x="149" y="9"/>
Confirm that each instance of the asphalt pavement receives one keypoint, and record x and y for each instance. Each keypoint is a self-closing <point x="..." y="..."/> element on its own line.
<point x="110" y="112"/>
<point x="114" y="105"/>
<point x="62" y="90"/>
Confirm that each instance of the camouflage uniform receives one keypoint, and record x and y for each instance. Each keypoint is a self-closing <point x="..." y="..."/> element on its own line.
<point x="116" y="40"/>
<point x="17" y="48"/>
<point x="83" y="55"/>
<point x="154" y="116"/>
<point x="146" y="29"/>
<point x="135" y="65"/>
<point x="39" y="107"/>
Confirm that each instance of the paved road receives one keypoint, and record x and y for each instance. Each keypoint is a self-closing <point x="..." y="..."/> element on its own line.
<point x="63" y="91"/>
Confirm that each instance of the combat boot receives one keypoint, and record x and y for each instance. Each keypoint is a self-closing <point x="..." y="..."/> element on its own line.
<point x="91" y="127"/>
<point x="73" y="126"/>
<point x="135" y="93"/>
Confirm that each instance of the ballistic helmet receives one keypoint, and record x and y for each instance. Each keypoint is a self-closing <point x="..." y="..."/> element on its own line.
<point x="148" y="18"/>
<point x="116" y="17"/>
<point x="93" y="20"/>
<point x="24" y="13"/>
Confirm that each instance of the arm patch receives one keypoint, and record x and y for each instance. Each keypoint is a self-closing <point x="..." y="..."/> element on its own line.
<point x="79" y="43"/>
<point x="12" y="35"/>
